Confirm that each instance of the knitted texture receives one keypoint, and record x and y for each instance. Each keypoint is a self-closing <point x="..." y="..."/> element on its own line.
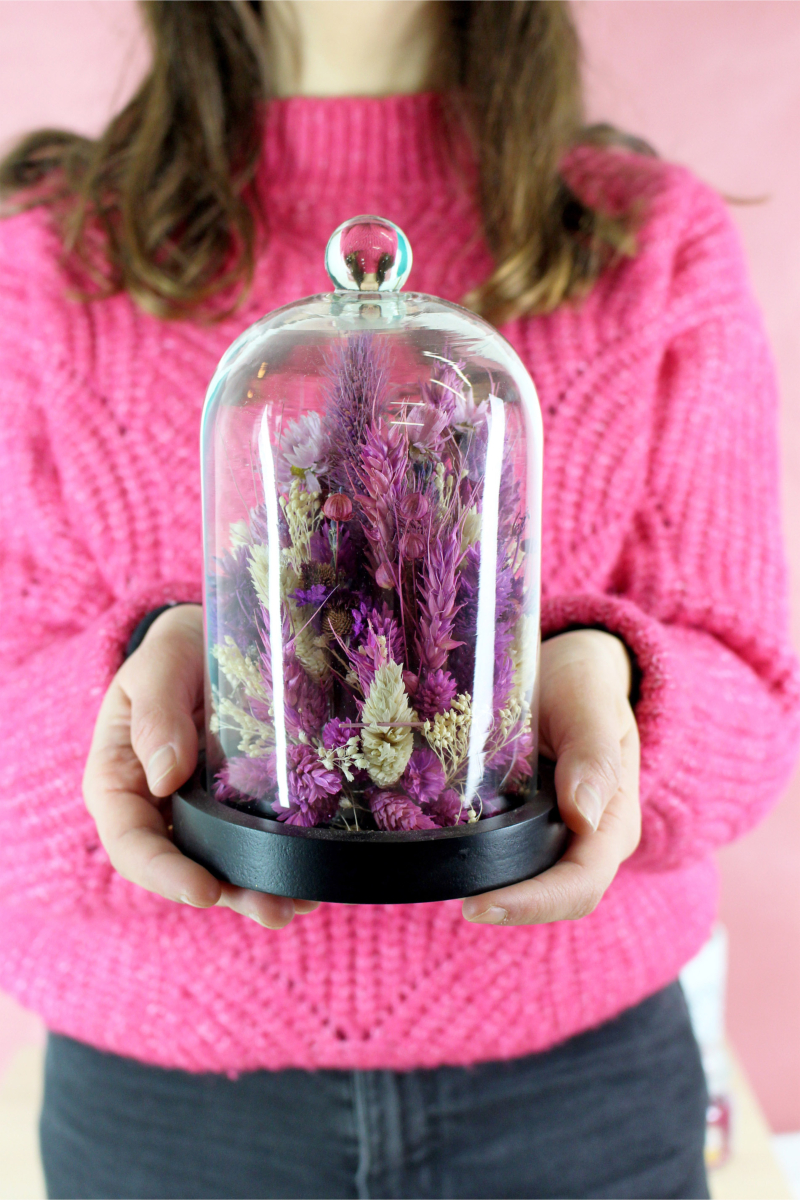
<point x="661" y="524"/>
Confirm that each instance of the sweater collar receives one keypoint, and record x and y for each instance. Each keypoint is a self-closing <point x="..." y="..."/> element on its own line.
<point x="326" y="144"/>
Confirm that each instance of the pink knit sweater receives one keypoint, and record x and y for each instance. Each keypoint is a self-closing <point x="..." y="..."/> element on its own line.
<point x="661" y="524"/>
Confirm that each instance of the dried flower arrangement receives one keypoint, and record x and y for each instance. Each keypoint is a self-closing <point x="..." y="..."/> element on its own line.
<point x="381" y="522"/>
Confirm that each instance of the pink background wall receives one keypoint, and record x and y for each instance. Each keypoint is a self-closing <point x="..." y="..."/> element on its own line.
<point x="715" y="85"/>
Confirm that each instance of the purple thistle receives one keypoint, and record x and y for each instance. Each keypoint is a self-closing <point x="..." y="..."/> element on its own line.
<point x="358" y="375"/>
<point x="434" y="694"/>
<point x="382" y="474"/>
<point x="424" y="776"/>
<point x="437" y="607"/>
<point x="394" y="811"/>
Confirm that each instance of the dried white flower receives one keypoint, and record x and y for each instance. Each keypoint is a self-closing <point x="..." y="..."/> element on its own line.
<point x="470" y="529"/>
<point x="305" y="449"/>
<point x="240" y="535"/>
<point x="444" y="483"/>
<point x="301" y="509"/>
<point x="523" y="651"/>
<point x="311" y="651"/>
<point x="258" y="566"/>
<point x="346" y="758"/>
<point x="387" y="738"/>
<point x="239" y="669"/>
<point x="256" y="737"/>
<point x="448" y="733"/>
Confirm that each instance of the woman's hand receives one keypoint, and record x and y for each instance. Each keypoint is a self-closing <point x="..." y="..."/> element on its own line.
<point x="587" y="725"/>
<point x="144" y="747"/>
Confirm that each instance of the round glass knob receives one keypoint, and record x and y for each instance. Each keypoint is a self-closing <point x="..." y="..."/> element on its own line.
<point x="368" y="254"/>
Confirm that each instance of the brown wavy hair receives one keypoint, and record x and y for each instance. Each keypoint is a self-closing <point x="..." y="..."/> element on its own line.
<point x="168" y="185"/>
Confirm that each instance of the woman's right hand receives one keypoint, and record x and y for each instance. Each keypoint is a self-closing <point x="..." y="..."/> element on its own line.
<point x="144" y="747"/>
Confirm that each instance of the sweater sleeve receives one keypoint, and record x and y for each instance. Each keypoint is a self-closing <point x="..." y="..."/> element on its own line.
<point x="700" y="591"/>
<point x="64" y="625"/>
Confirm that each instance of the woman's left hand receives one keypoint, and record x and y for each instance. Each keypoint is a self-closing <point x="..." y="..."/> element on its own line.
<point x="587" y="725"/>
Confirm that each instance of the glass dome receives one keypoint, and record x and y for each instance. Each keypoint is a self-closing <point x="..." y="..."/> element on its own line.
<point x="371" y="488"/>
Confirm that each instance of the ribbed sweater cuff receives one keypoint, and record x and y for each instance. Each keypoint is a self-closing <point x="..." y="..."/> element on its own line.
<point x="125" y="619"/>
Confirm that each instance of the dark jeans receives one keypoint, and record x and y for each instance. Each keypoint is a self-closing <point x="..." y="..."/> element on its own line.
<point x="618" y="1111"/>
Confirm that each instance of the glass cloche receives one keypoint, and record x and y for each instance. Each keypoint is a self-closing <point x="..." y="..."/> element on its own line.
<point x="371" y="464"/>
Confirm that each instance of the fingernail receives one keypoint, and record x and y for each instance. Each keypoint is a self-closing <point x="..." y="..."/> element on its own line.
<point x="160" y="765"/>
<point x="589" y="803"/>
<point x="489" y="916"/>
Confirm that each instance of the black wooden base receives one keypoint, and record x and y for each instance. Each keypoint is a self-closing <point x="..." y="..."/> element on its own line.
<point x="370" y="867"/>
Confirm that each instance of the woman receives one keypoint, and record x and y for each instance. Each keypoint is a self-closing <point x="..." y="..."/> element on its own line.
<point x="502" y="1048"/>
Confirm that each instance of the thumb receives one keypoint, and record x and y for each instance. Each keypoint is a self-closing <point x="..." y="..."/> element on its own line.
<point x="588" y="774"/>
<point x="584" y="716"/>
<point x="165" y="688"/>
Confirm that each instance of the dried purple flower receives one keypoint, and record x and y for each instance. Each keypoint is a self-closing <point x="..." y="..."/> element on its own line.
<point x="304" y="451"/>
<point x="448" y="809"/>
<point x="385" y="625"/>
<point x="383" y="643"/>
<point x="243" y="778"/>
<point x="414" y="506"/>
<point x="313" y="789"/>
<point x="435" y="694"/>
<point x="305" y="701"/>
<point x="412" y="546"/>
<point x="231" y="600"/>
<point x="394" y="811"/>
<point x="358" y="375"/>
<point x="424" y="776"/>
<point x="317" y="594"/>
<point x="338" y="507"/>
<point x="425" y="427"/>
<point x="382" y="473"/>
<point x="337" y="733"/>
<point x="445" y="388"/>
<point x="437" y="606"/>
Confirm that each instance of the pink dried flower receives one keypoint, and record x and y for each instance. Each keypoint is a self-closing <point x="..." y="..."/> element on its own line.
<point x="412" y="682"/>
<point x="445" y="388"/>
<point x="337" y="733"/>
<point x="412" y="546"/>
<point x="338" y="507"/>
<point x="246" y="777"/>
<point x="438" y="608"/>
<point x="305" y="450"/>
<point x="447" y="809"/>
<point x="317" y="814"/>
<point x="424" y="776"/>
<point x="382" y="474"/>
<point x="382" y="644"/>
<point x="385" y="576"/>
<point x="313" y="789"/>
<point x="426" y="425"/>
<point x="305" y="701"/>
<point x="414" y="506"/>
<point x="435" y="694"/>
<point x="358" y="374"/>
<point x="394" y="811"/>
